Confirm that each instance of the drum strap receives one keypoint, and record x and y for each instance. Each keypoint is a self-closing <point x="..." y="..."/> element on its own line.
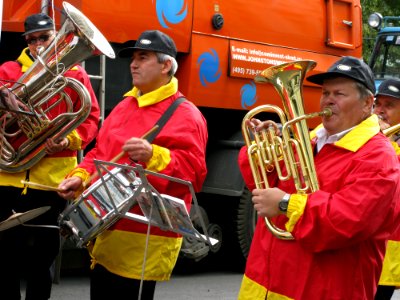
<point x="164" y="118"/>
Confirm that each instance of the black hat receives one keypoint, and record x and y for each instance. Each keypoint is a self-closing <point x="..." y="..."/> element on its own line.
<point x="152" y="40"/>
<point x="350" y="67"/>
<point x="38" y="22"/>
<point x="389" y="87"/>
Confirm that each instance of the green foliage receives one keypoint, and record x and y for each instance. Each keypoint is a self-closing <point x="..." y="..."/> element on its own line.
<point x="385" y="8"/>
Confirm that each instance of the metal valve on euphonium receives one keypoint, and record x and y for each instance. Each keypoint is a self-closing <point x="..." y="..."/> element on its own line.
<point x="23" y="132"/>
<point x="293" y="148"/>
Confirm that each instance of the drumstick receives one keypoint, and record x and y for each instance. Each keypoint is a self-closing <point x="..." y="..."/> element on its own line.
<point x="46" y="187"/>
<point x="116" y="158"/>
<point x="122" y="153"/>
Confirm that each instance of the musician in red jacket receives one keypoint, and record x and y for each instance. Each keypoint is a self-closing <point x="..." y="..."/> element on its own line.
<point x="30" y="251"/>
<point x="340" y="230"/>
<point x="387" y="107"/>
<point x="178" y="151"/>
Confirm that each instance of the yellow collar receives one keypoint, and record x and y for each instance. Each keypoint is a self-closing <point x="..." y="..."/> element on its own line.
<point x="155" y="96"/>
<point x="358" y="136"/>
<point x="26" y="61"/>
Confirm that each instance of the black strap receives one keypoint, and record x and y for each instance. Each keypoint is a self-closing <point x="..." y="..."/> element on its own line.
<point x="164" y="118"/>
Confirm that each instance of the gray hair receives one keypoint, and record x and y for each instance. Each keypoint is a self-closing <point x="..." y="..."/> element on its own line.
<point x="363" y="90"/>
<point x="162" y="57"/>
<point x="365" y="93"/>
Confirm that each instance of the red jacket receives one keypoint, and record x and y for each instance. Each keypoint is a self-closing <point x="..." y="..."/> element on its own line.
<point x="390" y="275"/>
<point x="339" y="231"/>
<point x="178" y="151"/>
<point x="52" y="169"/>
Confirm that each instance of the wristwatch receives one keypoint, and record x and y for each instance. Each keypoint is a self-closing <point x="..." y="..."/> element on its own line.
<point x="283" y="204"/>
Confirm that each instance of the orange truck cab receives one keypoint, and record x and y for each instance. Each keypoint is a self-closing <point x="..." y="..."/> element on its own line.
<point x="222" y="45"/>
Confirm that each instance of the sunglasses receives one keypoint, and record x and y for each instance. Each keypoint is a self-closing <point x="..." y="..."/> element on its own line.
<point x="42" y="38"/>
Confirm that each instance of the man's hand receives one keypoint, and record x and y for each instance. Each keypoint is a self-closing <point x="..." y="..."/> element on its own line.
<point x="138" y="149"/>
<point x="54" y="147"/>
<point x="258" y="125"/>
<point x="9" y="102"/>
<point x="266" y="201"/>
<point x="71" y="188"/>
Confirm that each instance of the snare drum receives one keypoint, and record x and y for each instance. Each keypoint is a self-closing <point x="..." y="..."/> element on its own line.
<point x="100" y="206"/>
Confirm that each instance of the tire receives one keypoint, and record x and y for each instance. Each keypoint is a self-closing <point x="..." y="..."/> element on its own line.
<point x="246" y="222"/>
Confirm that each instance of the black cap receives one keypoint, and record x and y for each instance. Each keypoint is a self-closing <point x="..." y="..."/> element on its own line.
<point x="389" y="87"/>
<point x="152" y="40"/>
<point x="38" y="22"/>
<point x="350" y="67"/>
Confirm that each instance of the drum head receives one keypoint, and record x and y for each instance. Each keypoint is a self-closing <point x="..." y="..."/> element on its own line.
<point x="20" y="218"/>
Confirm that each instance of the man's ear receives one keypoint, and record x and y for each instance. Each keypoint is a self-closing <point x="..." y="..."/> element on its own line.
<point x="369" y="104"/>
<point x="167" y="65"/>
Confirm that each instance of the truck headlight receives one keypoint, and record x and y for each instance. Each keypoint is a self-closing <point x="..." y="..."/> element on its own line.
<point x="375" y="20"/>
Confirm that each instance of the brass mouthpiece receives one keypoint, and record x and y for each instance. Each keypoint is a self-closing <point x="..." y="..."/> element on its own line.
<point x="326" y="112"/>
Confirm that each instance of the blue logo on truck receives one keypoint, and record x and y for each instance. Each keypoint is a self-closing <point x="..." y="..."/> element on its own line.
<point x="248" y="94"/>
<point x="210" y="70"/>
<point x="171" y="11"/>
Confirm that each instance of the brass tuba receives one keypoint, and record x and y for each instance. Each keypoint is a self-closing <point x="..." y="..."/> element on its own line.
<point x="40" y="94"/>
<point x="266" y="150"/>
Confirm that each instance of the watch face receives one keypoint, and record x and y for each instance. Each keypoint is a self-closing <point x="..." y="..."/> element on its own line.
<point x="283" y="205"/>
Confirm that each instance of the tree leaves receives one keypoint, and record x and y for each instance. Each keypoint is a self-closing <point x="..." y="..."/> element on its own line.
<point x="385" y="8"/>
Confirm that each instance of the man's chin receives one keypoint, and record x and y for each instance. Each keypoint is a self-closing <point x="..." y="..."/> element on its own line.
<point x="329" y="124"/>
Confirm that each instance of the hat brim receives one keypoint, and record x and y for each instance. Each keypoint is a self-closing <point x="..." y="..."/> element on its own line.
<point x="387" y="94"/>
<point x="36" y="30"/>
<point x="321" y="77"/>
<point x="128" y="52"/>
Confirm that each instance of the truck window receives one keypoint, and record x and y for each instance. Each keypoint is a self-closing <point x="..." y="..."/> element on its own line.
<point x="386" y="59"/>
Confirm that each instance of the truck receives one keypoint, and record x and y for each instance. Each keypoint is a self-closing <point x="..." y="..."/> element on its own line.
<point x="385" y="56"/>
<point x="222" y="45"/>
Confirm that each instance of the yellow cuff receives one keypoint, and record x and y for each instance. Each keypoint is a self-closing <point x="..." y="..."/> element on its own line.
<point x="296" y="206"/>
<point x="396" y="147"/>
<point x="75" y="141"/>
<point x="81" y="173"/>
<point x="160" y="159"/>
<point x="84" y="175"/>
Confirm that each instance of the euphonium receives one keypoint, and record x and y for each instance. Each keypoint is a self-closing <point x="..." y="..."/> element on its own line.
<point x="392" y="130"/>
<point x="266" y="150"/>
<point x="41" y="92"/>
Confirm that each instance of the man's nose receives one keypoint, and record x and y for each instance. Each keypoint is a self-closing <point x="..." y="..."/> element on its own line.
<point x="328" y="100"/>
<point x="133" y="64"/>
<point x="378" y="110"/>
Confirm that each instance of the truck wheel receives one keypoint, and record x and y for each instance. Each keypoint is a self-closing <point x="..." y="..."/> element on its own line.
<point x="215" y="231"/>
<point x="246" y="222"/>
<point x="195" y="249"/>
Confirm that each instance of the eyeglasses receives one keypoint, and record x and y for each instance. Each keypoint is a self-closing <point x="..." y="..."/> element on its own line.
<point x="42" y="38"/>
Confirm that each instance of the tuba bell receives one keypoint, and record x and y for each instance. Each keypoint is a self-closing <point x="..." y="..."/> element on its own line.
<point x="40" y="93"/>
<point x="267" y="151"/>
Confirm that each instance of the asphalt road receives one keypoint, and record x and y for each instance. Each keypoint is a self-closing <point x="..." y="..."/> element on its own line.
<point x="215" y="279"/>
<point x="212" y="285"/>
<point x="211" y="281"/>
